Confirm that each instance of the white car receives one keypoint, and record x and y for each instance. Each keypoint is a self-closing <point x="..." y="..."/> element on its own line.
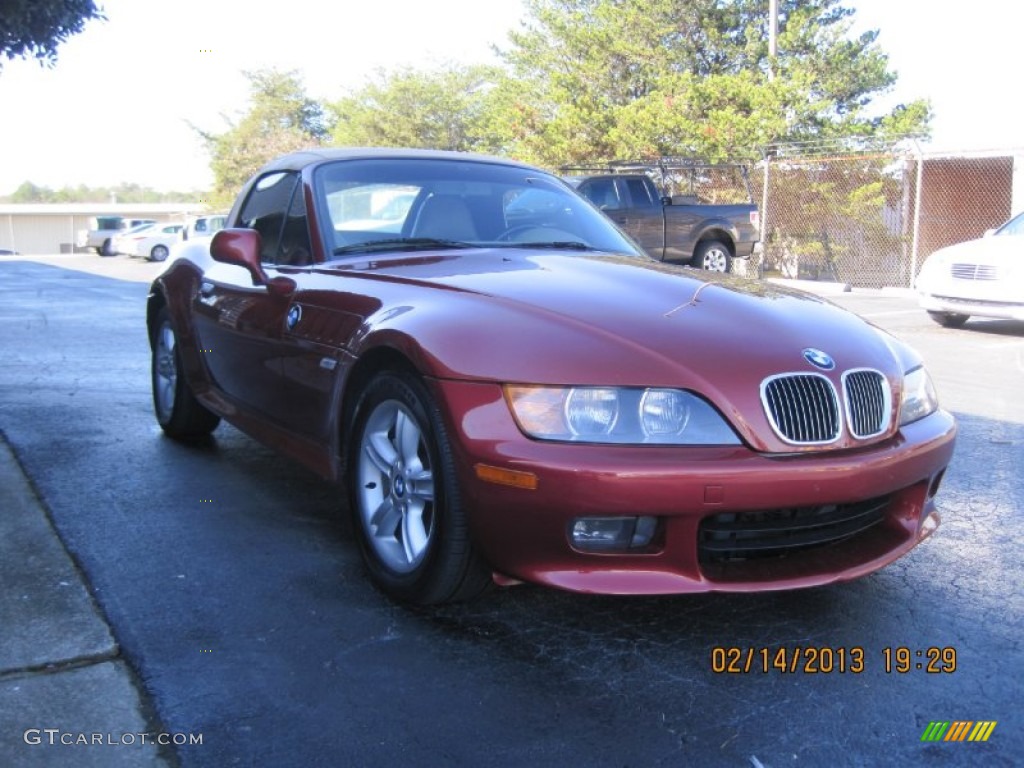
<point x="152" y="242"/>
<point x="205" y="226"/>
<point x="984" y="278"/>
<point x="105" y="229"/>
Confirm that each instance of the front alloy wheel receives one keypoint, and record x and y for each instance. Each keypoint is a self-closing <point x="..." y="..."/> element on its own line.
<point x="404" y="496"/>
<point x="396" y="487"/>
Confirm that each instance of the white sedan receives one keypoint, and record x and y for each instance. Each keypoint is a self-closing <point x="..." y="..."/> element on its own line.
<point x="153" y="242"/>
<point x="984" y="278"/>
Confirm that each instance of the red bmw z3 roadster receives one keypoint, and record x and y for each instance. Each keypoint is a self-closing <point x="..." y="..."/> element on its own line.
<point x="510" y="390"/>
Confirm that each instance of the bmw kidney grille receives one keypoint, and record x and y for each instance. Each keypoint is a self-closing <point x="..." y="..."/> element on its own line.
<point x="803" y="408"/>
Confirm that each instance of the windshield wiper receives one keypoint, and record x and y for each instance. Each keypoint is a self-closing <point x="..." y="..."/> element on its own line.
<point x="560" y="245"/>
<point x="401" y="244"/>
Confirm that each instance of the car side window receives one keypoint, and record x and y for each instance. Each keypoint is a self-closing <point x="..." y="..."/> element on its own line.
<point x="266" y="210"/>
<point x="639" y="193"/>
<point x="1014" y="226"/>
<point x="295" y="249"/>
<point x="601" y="192"/>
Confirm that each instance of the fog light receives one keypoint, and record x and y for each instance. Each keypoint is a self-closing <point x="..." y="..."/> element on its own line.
<point x="606" y="534"/>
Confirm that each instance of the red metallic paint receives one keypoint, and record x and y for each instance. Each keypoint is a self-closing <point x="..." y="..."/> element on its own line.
<point x="468" y="321"/>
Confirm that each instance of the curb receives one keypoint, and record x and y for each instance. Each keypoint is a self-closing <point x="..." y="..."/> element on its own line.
<point x="66" y="695"/>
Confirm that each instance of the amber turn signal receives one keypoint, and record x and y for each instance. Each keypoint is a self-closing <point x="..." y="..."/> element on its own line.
<point x="500" y="476"/>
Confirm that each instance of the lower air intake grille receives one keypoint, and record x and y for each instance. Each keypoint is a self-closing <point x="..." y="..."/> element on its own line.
<point x="777" y="532"/>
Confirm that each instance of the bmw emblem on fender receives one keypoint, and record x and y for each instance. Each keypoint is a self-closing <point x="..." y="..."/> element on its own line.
<point x="819" y="359"/>
<point x="294" y="315"/>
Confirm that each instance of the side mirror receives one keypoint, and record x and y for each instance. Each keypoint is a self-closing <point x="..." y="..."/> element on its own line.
<point x="666" y="200"/>
<point x="241" y="247"/>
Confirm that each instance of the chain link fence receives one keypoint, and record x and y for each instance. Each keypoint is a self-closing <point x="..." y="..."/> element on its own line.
<point x="869" y="215"/>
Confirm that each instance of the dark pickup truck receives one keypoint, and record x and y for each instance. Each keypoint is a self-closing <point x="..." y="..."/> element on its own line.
<point x="677" y="229"/>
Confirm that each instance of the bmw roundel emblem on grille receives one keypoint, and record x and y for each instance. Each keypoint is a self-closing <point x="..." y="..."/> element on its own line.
<point x="819" y="359"/>
<point x="294" y="315"/>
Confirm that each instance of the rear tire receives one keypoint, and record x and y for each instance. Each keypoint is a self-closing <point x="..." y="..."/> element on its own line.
<point x="107" y="249"/>
<point x="159" y="253"/>
<point x="713" y="256"/>
<point x="412" y="528"/>
<point x="178" y="412"/>
<point x="949" y="319"/>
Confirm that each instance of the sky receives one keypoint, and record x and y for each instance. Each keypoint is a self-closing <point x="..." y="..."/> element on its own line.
<point x="120" y="103"/>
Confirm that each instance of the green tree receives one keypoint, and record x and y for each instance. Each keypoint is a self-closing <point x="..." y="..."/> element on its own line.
<point x="440" y="109"/>
<point x="36" y="28"/>
<point x="281" y="119"/>
<point x="612" y="78"/>
<point x="28" y="192"/>
<point x="127" y="192"/>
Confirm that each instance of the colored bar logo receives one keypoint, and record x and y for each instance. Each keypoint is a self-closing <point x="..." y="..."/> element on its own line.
<point x="958" y="730"/>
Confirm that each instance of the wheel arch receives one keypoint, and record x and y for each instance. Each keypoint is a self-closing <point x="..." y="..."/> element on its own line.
<point x="154" y="303"/>
<point x="724" y="236"/>
<point x="379" y="358"/>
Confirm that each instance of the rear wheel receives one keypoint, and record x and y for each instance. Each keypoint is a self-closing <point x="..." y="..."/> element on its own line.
<point x="949" y="319"/>
<point x="107" y="249"/>
<point x="159" y="253"/>
<point x="412" y="528"/>
<point x="180" y="415"/>
<point x="713" y="256"/>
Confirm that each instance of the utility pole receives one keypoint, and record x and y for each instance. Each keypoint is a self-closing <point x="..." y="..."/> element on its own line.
<point x="773" y="34"/>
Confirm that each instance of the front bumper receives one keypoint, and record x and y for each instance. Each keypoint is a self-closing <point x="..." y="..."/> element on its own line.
<point x="1008" y="310"/>
<point x="747" y="248"/>
<point x="523" y="533"/>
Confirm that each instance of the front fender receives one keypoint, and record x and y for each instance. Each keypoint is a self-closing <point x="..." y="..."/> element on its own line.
<point x="481" y="338"/>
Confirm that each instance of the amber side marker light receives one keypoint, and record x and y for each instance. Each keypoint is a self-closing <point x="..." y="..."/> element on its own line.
<point x="499" y="476"/>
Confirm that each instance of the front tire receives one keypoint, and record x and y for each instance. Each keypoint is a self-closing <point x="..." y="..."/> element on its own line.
<point x="713" y="256"/>
<point x="178" y="412"/>
<point x="159" y="253"/>
<point x="107" y="249"/>
<point x="413" y="531"/>
<point x="949" y="319"/>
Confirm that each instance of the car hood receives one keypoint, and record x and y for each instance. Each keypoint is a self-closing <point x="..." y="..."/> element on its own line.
<point x="555" y="318"/>
<point x="996" y="250"/>
<point x="516" y="316"/>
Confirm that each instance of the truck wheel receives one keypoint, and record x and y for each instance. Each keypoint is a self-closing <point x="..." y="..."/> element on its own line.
<point x="107" y="249"/>
<point x="713" y="256"/>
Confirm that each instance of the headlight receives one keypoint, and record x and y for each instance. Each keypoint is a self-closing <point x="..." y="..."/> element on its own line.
<point x="617" y="415"/>
<point x="919" y="398"/>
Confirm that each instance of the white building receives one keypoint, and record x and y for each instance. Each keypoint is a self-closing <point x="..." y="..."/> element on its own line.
<point x="44" y="228"/>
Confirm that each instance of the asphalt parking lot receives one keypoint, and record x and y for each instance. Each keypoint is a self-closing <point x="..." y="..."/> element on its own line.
<point x="233" y="588"/>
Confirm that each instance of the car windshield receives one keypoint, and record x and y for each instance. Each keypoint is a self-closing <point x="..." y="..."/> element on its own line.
<point x="377" y="205"/>
<point x="1014" y="226"/>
